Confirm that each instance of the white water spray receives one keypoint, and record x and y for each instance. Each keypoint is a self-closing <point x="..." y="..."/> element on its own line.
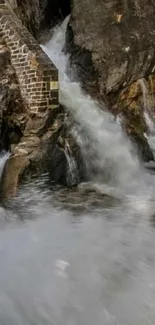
<point x="3" y="159"/>
<point x="72" y="174"/>
<point x="148" y="120"/>
<point x="110" y="149"/>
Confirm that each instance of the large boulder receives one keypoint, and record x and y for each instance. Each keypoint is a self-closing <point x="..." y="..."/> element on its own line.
<point x="111" y="45"/>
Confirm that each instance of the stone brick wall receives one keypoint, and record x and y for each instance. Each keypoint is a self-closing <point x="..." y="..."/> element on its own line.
<point x="38" y="77"/>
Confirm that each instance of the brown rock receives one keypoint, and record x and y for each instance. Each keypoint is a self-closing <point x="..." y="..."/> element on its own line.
<point x="116" y="36"/>
<point x="112" y="47"/>
<point x="12" y="172"/>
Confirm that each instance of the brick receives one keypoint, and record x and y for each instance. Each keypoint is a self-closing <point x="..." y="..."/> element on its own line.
<point x="33" y="79"/>
<point x="54" y="93"/>
<point x="42" y="103"/>
<point x="47" y="73"/>
<point x="48" y="85"/>
<point x="34" y="82"/>
<point x="53" y="101"/>
<point x="47" y="78"/>
<point x="16" y="51"/>
<point x="22" y="60"/>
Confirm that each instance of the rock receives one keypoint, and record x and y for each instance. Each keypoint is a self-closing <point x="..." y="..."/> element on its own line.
<point x="112" y="48"/>
<point x="130" y="104"/>
<point x="111" y="45"/>
<point x="150" y="165"/>
<point x="34" y="140"/>
<point x="10" y="99"/>
<point x="117" y="37"/>
<point x="39" y="151"/>
<point x="40" y="15"/>
<point x="53" y="12"/>
<point x="12" y="172"/>
<point x="29" y="12"/>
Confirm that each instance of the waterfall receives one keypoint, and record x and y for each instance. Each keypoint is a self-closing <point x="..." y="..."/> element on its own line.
<point x="3" y="159"/>
<point x="72" y="174"/>
<point x="148" y="120"/>
<point x="109" y="153"/>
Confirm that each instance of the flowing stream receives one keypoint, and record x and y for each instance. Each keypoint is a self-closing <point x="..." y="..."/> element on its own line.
<point x="110" y="150"/>
<point x="149" y="122"/>
<point x="3" y="159"/>
<point x="85" y="255"/>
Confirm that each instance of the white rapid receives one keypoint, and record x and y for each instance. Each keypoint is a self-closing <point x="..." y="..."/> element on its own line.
<point x="110" y="151"/>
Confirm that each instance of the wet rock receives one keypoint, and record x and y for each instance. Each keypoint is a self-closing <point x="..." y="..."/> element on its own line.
<point x="150" y="166"/>
<point x="12" y="172"/>
<point x="53" y="12"/>
<point x="111" y="47"/>
<point x="83" y="199"/>
<point x="130" y="104"/>
<point x="40" y="151"/>
<point x="10" y="98"/>
<point x="40" y="15"/>
<point x="36" y="141"/>
<point x="29" y="13"/>
<point x="117" y="36"/>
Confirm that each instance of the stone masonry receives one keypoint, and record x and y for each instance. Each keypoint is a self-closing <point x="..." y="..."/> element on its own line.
<point x="38" y="77"/>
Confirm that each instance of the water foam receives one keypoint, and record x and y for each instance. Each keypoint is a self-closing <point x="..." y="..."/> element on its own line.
<point x="110" y="152"/>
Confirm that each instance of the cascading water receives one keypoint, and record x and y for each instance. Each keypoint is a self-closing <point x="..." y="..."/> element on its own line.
<point x="80" y="257"/>
<point x="3" y="159"/>
<point x="110" y="152"/>
<point x="72" y="174"/>
<point x="149" y="122"/>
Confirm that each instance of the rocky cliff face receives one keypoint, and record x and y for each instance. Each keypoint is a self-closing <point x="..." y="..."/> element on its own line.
<point x="112" y="45"/>
<point x="118" y="36"/>
<point x="29" y="12"/>
<point x="40" y="15"/>
<point x="37" y="142"/>
<point x="33" y="124"/>
<point x="11" y="104"/>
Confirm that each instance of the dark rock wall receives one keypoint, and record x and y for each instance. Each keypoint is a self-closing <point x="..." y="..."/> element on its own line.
<point x="53" y="12"/>
<point x="32" y="122"/>
<point x="11" y="103"/>
<point x="112" y="47"/>
<point x="40" y="15"/>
